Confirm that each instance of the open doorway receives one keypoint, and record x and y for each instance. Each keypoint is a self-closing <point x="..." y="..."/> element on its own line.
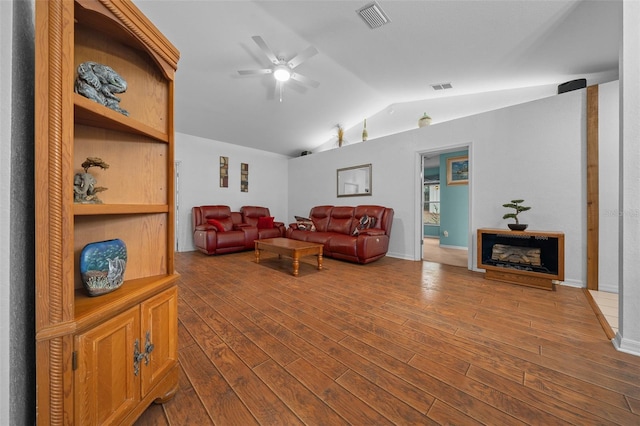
<point x="445" y="207"/>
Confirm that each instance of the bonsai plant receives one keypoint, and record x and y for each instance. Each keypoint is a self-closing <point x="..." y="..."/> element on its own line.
<point x="516" y="205"/>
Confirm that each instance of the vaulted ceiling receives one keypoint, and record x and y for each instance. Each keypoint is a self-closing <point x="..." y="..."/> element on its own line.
<point x="493" y="53"/>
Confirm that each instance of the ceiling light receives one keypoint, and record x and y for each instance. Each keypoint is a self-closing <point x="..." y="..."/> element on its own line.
<point x="282" y="73"/>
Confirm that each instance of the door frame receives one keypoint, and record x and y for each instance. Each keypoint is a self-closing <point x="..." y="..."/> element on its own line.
<point x="419" y="197"/>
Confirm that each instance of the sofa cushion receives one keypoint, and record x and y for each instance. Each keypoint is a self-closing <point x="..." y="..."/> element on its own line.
<point x="321" y="238"/>
<point x="252" y="214"/>
<point x="222" y="214"/>
<point x="320" y="216"/>
<point x="269" y="233"/>
<point x="216" y="224"/>
<point x="265" y="222"/>
<point x="341" y="220"/>
<point x="343" y="244"/>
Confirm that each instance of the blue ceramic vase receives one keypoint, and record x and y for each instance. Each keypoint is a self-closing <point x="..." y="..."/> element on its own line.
<point x="102" y="266"/>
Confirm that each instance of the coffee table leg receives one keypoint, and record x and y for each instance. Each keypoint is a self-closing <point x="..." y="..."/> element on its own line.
<point x="320" y="262"/>
<point x="296" y="264"/>
<point x="257" y="254"/>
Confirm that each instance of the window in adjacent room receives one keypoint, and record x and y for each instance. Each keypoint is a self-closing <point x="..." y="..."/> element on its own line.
<point x="431" y="210"/>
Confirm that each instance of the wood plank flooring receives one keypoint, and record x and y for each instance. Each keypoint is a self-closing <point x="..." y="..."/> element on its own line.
<point x="392" y="342"/>
<point x="433" y="252"/>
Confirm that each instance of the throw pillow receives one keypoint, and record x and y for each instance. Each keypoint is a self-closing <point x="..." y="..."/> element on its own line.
<point x="265" y="222"/>
<point x="365" y="222"/>
<point x="219" y="226"/>
<point x="305" y="224"/>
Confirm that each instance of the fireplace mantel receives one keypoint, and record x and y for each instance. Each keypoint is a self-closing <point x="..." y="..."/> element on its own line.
<point x="531" y="258"/>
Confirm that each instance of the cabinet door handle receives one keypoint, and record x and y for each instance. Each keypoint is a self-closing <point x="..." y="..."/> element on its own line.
<point x="148" y="348"/>
<point x="137" y="357"/>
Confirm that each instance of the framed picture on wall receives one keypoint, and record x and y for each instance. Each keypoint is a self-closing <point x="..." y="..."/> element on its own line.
<point x="244" y="177"/>
<point x="458" y="170"/>
<point x="224" y="172"/>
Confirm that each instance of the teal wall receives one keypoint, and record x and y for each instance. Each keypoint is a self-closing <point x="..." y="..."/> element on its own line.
<point x="454" y="207"/>
<point x="431" y="230"/>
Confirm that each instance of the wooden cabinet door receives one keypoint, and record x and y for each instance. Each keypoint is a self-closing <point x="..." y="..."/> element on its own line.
<point x="106" y="386"/>
<point x="159" y="327"/>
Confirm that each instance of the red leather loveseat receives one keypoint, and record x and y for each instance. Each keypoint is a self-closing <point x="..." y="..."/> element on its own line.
<point x="358" y="234"/>
<point x="218" y="230"/>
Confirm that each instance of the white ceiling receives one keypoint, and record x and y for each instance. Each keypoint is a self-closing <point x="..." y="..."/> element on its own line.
<point x="494" y="53"/>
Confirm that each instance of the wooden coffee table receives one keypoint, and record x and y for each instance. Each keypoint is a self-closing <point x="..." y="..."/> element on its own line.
<point x="291" y="248"/>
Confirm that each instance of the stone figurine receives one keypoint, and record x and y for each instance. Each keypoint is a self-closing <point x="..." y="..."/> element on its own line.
<point x="85" y="190"/>
<point x="99" y="83"/>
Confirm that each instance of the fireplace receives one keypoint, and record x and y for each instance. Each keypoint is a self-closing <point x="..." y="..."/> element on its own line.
<point x="527" y="258"/>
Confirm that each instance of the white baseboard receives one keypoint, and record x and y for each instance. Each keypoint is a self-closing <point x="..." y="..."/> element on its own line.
<point x="626" y="345"/>
<point x="401" y="256"/>
<point x="609" y="288"/>
<point x="454" y="247"/>
<point x="573" y="283"/>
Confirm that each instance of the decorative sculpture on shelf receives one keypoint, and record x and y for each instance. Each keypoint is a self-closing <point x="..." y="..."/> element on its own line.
<point x="84" y="184"/>
<point x="425" y="120"/>
<point x="99" y="83"/>
<point x="340" y="134"/>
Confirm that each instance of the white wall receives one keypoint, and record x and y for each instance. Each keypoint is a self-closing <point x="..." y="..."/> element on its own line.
<point x="199" y="181"/>
<point x="628" y="337"/>
<point x="535" y="151"/>
<point x="609" y="176"/>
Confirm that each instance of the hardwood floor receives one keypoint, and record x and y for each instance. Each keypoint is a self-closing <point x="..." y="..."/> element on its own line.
<point x="433" y="252"/>
<point x="392" y="342"/>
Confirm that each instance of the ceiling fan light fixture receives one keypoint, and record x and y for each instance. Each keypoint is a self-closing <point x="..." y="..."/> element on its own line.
<point x="282" y="73"/>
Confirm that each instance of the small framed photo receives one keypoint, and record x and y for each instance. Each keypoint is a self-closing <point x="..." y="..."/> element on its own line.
<point x="244" y="177"/>
<point x="458" y="170"/>
<point x="224" y="172"/>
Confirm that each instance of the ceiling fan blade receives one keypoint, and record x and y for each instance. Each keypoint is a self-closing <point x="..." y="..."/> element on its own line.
<point x="302" y="56"/>
<point x="255" y="72"/>
<point x="260" y="42"/>
<point x="304" y="80"/>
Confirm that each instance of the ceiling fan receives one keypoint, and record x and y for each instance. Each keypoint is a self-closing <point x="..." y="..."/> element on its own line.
<point x="282" y="69"/>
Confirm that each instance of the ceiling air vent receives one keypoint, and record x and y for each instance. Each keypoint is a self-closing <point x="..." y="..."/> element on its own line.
<point x="441" y="86"/>
<point x="373" y="15"/>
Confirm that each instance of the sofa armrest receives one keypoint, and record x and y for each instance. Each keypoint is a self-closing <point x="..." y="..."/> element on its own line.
<point x="205" y="227"/>
<point x="239" y="226"/>
<point x="372" y="232"/>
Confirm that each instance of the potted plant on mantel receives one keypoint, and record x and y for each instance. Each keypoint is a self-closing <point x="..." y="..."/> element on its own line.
<point x="516" y="205"/>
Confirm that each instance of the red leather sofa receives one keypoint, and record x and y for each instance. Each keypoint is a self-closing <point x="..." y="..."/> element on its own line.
<point x="357" y="234"/>
<point x="218" y="230"/>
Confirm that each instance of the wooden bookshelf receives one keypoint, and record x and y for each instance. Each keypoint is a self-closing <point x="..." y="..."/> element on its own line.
<point x="124" y="341"/>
